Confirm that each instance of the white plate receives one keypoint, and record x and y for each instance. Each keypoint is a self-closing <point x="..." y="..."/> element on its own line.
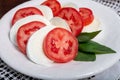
<point x="110" y="24"/>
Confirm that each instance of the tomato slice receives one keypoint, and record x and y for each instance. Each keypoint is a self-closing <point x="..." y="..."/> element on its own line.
<point x="21" y="13"/>
<point x="54" y="5"/>
<point x="60" y="45"/>
<point x="73" y="19"/>
<point x="25" y="31"/>
<point x="87" y="16"/>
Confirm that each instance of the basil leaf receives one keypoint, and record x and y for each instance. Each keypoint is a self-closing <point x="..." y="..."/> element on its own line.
<point x="95" y="47"/>
<point x="83" y="56"/>
<point x="84" y="37"/>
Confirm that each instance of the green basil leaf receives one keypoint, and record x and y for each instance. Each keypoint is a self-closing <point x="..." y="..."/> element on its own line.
<point x="83" y="56"/>
<point x="84" y="37"/>
<point x="95" y="47"/>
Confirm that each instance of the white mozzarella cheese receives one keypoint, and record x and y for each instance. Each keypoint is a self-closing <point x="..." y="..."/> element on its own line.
<point x="71" y="5"/>
<point x="47" y="12"/>
<point x="94" y="26"/>
<point x="59" y="22"/>
<point x="35" y="46"/>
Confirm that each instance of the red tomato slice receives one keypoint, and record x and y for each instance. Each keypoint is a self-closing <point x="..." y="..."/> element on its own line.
<point x="21" y="13"/>
<point x="87" y="15"/>
<point x="25" y="31"/>
<point x="54" y="5"/>
<point x="60" y="45"/>
<point x="73" y="18"/>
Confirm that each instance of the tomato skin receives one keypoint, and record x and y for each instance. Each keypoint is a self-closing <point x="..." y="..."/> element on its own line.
<point x="87" y="16"/>
<point x="73" y="19"/>
<point x="60" y="45"/>
<point x="24" y="12"/>
<point x="54" y="5"/>
<point x="25" y="31"/>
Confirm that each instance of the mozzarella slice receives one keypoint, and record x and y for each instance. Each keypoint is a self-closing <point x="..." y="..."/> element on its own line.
<point x="94" y="26"/>
<point x="59" y="22"/>
<point x="23" y="21"/>
<point x="47" y="12"/>
<point x="71" y="5"/>
<point x="35" y="47"/>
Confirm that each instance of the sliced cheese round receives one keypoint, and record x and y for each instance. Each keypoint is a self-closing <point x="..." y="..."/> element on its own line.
<point x="35" y="46"/>
<point x="19" y="23"/>
<point x="94" y="26"/>
<point x="47" y="12"/>
<point x="71" y="5"/>
<point x="59" y="22"/>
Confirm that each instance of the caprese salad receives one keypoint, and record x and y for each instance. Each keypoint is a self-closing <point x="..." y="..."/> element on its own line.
<point x="56" y="33"/>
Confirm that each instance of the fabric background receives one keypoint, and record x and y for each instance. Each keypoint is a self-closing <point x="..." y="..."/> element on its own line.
<point x="7" y="73"/>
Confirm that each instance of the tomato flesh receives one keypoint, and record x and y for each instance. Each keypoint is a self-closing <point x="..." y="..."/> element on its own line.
<point x="87" y="16"/>
<point x="54" y="5"/>
<point x="73" y="19"/>
<point x="60" y="45"/>
<point x="25" y="31"/>
<point x="24" y="12"/>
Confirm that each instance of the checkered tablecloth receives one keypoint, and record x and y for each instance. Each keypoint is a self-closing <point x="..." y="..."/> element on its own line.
<point x="7" y="73"/>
